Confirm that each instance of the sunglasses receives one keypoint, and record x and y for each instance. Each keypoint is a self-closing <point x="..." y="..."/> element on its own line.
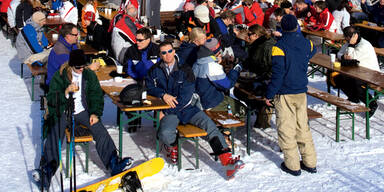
<point x="79" y="67"/>
<point x="74" y="34"/>
<point x="249" y="34"/>
<point x="165" y="52"/>
<point x="140" y="40"/>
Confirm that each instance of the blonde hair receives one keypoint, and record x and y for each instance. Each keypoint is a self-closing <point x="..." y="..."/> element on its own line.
<point x="196" y="33"/>
<point x="259" y="31"/>
<point x="68" y="70"/>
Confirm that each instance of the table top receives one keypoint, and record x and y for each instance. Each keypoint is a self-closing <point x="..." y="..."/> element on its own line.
<point x="103" y="74"/>
<point x="54" y="21"/>
<point x="376" y="28"/>
<point x="379" y="51"/>
<point x="369" y="76"/>
<point x="324" y="34"/>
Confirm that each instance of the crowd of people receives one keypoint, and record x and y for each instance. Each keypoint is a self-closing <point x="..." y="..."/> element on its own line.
<point x="220" y="39"/>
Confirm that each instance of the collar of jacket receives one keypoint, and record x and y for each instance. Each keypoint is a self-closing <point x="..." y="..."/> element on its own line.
<point x="65" y="43"/>
<point x="162" y="65"/>
<point x="259" y="41"/>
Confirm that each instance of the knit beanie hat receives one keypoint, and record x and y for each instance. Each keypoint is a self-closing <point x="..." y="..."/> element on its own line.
<point x="289" y="22"/>
<point x="202" y="13"/>
<point x="213" y="44"/>
<point x="89" y="16"/>
<point x="38" y="16"/>
<point x="285" y="4"/>
<point x="77" y="58"/>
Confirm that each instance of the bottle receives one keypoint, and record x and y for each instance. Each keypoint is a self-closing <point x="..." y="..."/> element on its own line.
<point x="229" y="110"/>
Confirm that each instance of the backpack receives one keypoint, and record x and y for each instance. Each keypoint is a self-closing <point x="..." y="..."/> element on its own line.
<point x="131" y="95"/>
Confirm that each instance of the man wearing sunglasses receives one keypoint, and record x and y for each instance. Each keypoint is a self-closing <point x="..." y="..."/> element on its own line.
<point x="88" y="105"/>
<point x="138" y="59"/>
<point x="60" y="53"/>
<point x="175" y="84"/>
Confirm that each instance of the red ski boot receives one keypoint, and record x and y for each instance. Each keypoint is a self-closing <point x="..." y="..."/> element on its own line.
<point x="231" y="163"/>
<point x="172" y="153"/>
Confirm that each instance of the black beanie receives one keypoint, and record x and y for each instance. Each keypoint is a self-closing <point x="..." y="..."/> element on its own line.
<point x="288" y="22"/>
<point x="77" y="58"/>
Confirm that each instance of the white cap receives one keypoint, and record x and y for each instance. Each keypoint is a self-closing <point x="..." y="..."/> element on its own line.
<point x="202" y="13"/>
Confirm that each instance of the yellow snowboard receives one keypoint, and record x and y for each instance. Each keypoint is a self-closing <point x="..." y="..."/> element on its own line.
<point x="110" y="184"/>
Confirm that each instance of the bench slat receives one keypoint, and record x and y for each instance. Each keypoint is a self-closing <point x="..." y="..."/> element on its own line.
<point x="313" y="114"/>
<point x="81" y="135"/>
<point x="191" y="131"/>
<point x="337" y="101"/>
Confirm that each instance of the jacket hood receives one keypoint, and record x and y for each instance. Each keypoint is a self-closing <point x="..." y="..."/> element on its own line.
<point x="33" y="24"/>
<point x="204" y="52"/>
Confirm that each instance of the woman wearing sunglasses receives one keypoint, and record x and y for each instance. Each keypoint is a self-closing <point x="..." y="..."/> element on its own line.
<point x="74" y="78"/>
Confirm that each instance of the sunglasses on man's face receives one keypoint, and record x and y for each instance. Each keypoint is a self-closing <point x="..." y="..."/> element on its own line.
<point x="165" y="52"/>
<point x="140" y="40"/>
<point x="74" y="34"/>
<point x="79" y="67"/>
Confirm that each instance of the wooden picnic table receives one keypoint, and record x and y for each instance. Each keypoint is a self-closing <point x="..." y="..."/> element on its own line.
<point x="379" y="51"/>
<point x="325" y="35"/>
<point x="142" y="111"/>
<point x="367" y="26"/>
<point x="374" y="80"/>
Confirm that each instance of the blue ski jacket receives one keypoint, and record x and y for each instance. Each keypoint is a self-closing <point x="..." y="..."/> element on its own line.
<point x="180" y="83"/>
<point x="138" y="62"/>
<point x="290" y="58"/>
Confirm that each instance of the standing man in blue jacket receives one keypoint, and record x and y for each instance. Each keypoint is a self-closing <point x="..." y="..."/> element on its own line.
<point x="288" y="87"/>
<point x="175" y="85"/>
<point x="31" y="43"/>
<point x="60" y="53"/>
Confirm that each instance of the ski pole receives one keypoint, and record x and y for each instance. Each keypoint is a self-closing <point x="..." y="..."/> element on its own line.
<point x="73" y="144"/>
<point x="42" y="141"/>
<point x="59" y="126"/>
<point x="72" y="147"/>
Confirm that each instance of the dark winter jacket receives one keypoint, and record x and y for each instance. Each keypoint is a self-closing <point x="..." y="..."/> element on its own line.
<point x="211" y="28"/>
<point x="138" y="62"/>
<point x="58" y="56"/>
<point x="187" y="53"/>
<point x="211" y="80"/>
<point x="260" y="57"/>
<point x="30" y="40"/>
<point x="23" y="12"/>
<point x="97" y="36"/>
<point x="180" y="83"/>
<point x="377" y="12"/>
<point x="290" y="57"/>
<point x="91" y="92"/>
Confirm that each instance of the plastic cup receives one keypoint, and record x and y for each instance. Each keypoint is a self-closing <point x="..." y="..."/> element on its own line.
<point x="144" y="95"/>
<point x="76" y="86"/>
<point x="333" y="58"/>
<point x="55" y="36"/>
<point x="119" y="69"/>
<point x="162" y="37"/>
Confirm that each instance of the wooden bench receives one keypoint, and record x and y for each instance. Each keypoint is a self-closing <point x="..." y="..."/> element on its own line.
<point x="379" y="51"/>
<point x="35" y="71"/>
<point x="189" y="132"/>
<point x="82" y="136"/>
<point x="348" y="107"/>
<point x="313" y="114"/>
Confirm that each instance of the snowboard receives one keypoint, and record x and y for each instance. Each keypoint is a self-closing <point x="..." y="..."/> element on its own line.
<point x="110" y="184"/>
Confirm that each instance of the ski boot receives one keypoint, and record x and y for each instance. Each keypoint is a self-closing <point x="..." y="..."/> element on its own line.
<point x="117" y="166"/>
<point x="172" y="153"/>
<point x="232" y="164"/>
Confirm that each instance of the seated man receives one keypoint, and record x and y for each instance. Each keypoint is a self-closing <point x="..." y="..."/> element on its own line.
<point x="123" y="33"/>
<point x="202" y="19"/>
<point x="74" y="78"/>
<point x="138" y="59"/>
<point x="175" y="84"/>
<point x="60" y="53"/>
<point x="360" y="49"/>
<point x="212" y="83"/>
<point x="31" y="43"/>
<point x="96" y="34"/>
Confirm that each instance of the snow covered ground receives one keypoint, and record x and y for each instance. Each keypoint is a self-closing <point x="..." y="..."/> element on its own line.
<point x="346" y="166"/>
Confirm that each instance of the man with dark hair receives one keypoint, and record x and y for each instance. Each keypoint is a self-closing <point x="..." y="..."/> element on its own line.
<point x="88" y="102"/>
<point x="60" y="53"/>
<point x="359" y="49"/>
<point x="138" y="59"/>
<point x="288" y="87"/>
<point x="175" y="84"/>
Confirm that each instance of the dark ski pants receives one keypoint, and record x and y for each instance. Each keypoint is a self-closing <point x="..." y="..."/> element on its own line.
<point x="168" y="124"/>
<point x="104" y="144"/>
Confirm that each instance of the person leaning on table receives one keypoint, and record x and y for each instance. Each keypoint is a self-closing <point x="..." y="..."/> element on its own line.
<point x="288" y="87"/>
<point x="360" y="49"/>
